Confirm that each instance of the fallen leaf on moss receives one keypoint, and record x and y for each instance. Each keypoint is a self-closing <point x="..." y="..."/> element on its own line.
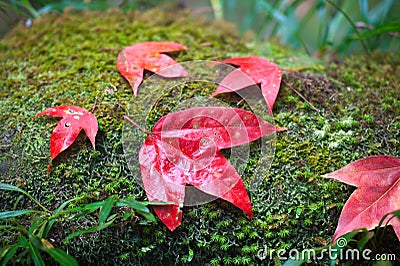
<point x="260" y="70"/>
<point x="74" y="119"/>
<point x="184" y="149"/>
<point x="133" y="60"/>
<point x="377" y="179"/>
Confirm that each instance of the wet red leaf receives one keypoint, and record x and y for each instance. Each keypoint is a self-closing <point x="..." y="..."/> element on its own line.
<point x="260" y="70"/>
<point x="184" y="149"/>
<point x="74" y="119"/>
<point x="377" y="179"/>
<point x="132" y="61"/>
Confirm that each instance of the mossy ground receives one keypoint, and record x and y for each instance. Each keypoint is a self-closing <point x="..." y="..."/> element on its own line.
<point x="60" y="61"/>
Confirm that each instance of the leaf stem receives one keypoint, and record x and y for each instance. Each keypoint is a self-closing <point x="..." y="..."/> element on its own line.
<point x="94" y="105"/>
<point x="136" y="125"/>
<point x="38" y="203"/>
<point x="301" y="96"/>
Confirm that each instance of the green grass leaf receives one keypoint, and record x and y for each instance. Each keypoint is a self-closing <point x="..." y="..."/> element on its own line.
<point x="7" y="253"/>
<point x="8" y="187"/>
<point x="22" y="241"/>
<point x="63" y="205"/>
<point x="149" y="216"/>
<point x="10" y="214"/>
<point x="4" y="186"/>
<point x="36" y="223"/>
<point x="57" y="254"/>
<point x="34" y="252"/>
<point x="106" y="209"/>
<point x="84" y="209"/>
<point x="134" y="204"/>
<point x="61" y="256"/>
<point x="385" y="28"/>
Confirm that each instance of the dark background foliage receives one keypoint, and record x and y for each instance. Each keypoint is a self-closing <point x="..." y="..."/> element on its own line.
<point x="319" y="27"/>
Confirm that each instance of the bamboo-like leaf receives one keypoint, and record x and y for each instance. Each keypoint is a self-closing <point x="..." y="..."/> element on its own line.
<point x="9" y="187"/>
<point x="386" y="28"/>
<point x="134" y="204"/>
<point x="85" y="209"/>
<point x="5" y="186"/>
<point x="22" y="241"/>
<point x="61" y="256"/>
<point x="148" y="216"/>
<point x="106" y="209"/>
<point x="45" y="228"/>
<point x="7" y="253"/>
<point x="10" y="214"/>
<point x="34" y="252"/>
<point x="35" y="240"/>
<point x="57" y="254"/>
<point x="35" y="225"/>
<point x="63" y="205"/>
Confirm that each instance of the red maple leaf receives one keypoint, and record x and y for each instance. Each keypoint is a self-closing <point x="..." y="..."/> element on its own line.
<point x="132" y="61"/>
<point x="184" y="149"/>
<point x="74" y="119"/>
<point x="377" y="179"/>
<point x="260" y="70"/>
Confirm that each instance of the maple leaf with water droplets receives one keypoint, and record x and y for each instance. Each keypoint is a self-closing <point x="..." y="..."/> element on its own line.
<point x="184" y="149"/>
<point x="74" y="119"/>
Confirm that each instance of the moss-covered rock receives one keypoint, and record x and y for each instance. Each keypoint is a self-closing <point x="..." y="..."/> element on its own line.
<point x="70" y="59"/>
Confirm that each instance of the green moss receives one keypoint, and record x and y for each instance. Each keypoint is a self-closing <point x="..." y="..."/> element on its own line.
<point x="60" y="61"/>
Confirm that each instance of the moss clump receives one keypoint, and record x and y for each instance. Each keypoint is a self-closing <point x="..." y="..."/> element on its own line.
<point x="60" y="61"/>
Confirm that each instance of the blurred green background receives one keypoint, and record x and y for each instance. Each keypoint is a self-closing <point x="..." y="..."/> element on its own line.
<point x="322" y="28"/>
